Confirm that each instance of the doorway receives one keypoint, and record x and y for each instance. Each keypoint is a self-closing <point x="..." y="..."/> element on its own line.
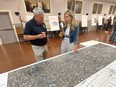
<point x="7" y="32"/>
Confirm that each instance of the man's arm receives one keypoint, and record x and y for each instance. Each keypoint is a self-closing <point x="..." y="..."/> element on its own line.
<point x="33" y="37"/>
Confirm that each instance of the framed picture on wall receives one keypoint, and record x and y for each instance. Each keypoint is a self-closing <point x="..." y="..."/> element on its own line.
<point x="31" y="4"/>
<point x="71" y="4"/>
<point x="78" y="7"/>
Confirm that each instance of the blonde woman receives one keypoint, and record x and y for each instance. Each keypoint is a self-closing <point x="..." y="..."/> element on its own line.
<point x="69" y="33"/>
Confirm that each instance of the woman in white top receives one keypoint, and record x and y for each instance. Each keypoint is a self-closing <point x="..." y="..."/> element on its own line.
<point x="69" y="33"/>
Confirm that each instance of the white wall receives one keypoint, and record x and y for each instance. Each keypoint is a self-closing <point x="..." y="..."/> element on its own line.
<point x="88" y="7"/>
<point x="56" y="5"/>
<point x="11" y="5"/>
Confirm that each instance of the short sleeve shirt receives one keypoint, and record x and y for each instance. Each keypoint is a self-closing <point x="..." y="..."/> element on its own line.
<point x="32" y="28"/>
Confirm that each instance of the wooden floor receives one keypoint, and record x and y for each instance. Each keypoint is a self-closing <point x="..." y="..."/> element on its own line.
<point x="15" y="55"/>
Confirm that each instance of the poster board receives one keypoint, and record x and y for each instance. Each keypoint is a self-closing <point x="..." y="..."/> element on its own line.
<point x="84" y="20"/>
<point x="100" y="20"/>
<point x="54" y="24"/>
<point x="94" y="20"/>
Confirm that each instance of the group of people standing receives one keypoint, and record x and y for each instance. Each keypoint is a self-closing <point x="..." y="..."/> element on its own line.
<point x="112" y="38"/>
<point x="36" y="31"/>
<point x="107" y="25"/>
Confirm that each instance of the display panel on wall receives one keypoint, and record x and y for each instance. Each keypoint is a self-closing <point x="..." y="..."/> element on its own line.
<point x="31" y="4"/>
<point x="75" y="6"/>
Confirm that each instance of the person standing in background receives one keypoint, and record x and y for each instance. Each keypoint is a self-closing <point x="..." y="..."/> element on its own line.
<point x="104" y="21"/>
<point x="69" y="33"/>
<point x="108" y="26"/>
<point x="35" y="31"/>
<point x="113" y="32"/>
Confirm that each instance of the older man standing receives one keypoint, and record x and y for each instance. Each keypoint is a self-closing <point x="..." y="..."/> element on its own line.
<point x="35" y="31"/>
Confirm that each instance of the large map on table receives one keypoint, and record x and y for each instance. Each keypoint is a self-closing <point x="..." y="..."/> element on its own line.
<point x="65" y="70"/>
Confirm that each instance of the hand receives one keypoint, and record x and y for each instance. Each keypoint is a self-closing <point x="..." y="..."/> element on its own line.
<point x="42" y="35"/>
<point x="61" y="34"/>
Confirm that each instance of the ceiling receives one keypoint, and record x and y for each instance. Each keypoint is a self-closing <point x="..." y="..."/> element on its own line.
<point x="112" y="1"/>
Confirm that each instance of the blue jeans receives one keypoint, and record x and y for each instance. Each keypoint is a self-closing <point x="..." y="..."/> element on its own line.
<point x="112" y="38"/>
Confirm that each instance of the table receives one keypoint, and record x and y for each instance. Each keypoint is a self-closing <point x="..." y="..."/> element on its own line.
<point x="66" y="70"/>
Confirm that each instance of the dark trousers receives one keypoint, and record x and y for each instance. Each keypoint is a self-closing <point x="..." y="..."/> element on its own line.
<point x="104" y="26"/>
<point x="112" y="38"/>
<point x="108" y="26"/>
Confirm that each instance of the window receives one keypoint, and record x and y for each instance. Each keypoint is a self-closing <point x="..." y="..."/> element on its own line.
<point x="112" y="9"/>
<point x="95" y="5"/>
<point x="31" y="4"/>
<point x="97" y="8"/>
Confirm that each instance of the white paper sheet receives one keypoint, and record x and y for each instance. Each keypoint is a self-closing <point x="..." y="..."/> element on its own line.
<point x="84" y="20"/>
<point x="89" y="43"/>
<point x="100" y="20"/>
<point x="54" y="24"/>
<point x="3" y="79"/>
